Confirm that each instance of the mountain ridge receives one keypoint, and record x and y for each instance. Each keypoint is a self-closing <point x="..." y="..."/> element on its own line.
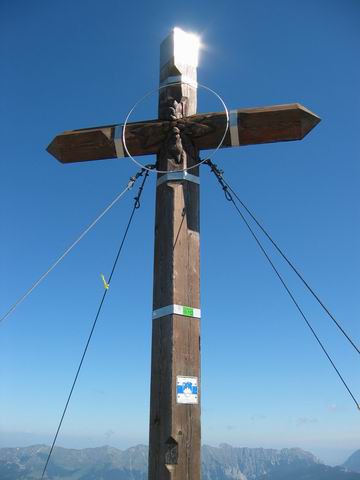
<point x="353" y="462"/>
<point x="218" y="463"/>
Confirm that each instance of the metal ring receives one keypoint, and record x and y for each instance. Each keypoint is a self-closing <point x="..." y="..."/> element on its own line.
<point x="157" y="90"/>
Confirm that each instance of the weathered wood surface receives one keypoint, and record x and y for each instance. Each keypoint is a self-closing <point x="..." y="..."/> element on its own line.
<point x="175" y="338"/>
<point x="174" y="443"/>
<point x="278" y="123"/>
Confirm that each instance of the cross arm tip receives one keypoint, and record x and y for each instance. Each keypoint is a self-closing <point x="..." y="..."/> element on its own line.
<point x="54" y="149"/>
<point x="308" y="120"/>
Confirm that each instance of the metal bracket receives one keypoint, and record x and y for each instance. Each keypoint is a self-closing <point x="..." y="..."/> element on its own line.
<point x="119" y="148"/>
<point x="234" y="129"/>
<point x="177" y="310"/>
<point x="177" y="177"/>
<point x="179" y="79"/>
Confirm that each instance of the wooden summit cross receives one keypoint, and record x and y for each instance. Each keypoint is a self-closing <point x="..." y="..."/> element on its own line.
<point x="176" y="138"/>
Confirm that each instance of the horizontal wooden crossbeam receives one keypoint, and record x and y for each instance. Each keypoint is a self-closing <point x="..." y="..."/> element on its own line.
<point x="249" y="126"/>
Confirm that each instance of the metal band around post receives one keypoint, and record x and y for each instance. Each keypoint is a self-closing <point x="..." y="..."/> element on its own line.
<point x="179" y="79"/>
<point x="177" y="177"/>
<point x="177" y="310"/>
<point x="118" y="142"/>
<point x="234" y="129"/>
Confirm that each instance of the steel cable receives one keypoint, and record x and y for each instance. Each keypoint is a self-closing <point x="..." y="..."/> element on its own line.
<point x="135" y="207"/>
<point x="229" y="197"/>
<point x="68" y="250"/>
<point x="291" y="265"/>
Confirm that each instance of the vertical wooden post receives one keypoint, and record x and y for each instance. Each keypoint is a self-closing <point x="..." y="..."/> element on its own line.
<point x="175" y="440"/>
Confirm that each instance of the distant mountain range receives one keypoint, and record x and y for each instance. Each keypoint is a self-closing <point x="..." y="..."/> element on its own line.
<point x="353" y="462"/>
<point x="222" y="463"/>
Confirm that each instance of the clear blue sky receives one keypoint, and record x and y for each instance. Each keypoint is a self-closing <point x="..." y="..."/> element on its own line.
<point x="265" y="382"/>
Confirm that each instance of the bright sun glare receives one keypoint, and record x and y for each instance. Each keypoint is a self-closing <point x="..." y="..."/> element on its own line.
<point x="186" y="47"/>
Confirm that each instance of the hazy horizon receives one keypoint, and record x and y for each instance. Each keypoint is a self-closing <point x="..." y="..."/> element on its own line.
<point x="330" y="455"/>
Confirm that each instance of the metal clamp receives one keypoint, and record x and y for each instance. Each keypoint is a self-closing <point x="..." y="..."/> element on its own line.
<point x="177" y="177"/>
<point x="119" y="148"/>
<point x="179" y="79"/>
<point x="234" y="128"/>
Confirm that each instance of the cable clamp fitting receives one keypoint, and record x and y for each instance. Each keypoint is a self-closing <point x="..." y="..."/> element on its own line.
<point x="219" y="176"/>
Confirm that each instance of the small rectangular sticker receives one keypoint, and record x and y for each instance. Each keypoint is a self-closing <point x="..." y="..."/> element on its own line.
<point x="188" y="311"/>
<point x="186" y="390"/>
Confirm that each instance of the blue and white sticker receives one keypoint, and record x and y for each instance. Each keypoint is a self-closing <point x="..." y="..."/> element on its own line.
<point x="186" y="390"/>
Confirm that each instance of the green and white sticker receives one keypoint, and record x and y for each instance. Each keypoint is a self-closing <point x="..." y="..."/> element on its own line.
<point x="188" y="311"/>
<point x="177" y="310"/>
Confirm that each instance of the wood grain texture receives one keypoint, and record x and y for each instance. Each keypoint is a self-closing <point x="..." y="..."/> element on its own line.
<point x="278" y="123"/>
<point x="175" y="431"/>
<point x="175" y="338"/>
